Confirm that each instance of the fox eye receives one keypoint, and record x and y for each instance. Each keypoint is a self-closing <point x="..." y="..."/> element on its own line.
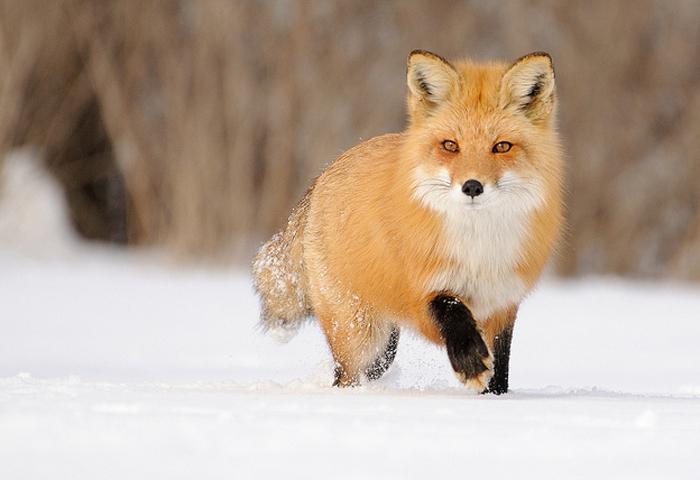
<point x="450" y="146"/>
<point x="502" y="147"/>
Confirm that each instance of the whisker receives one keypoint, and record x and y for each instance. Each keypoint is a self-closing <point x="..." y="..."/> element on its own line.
<point x="431" y="187"/>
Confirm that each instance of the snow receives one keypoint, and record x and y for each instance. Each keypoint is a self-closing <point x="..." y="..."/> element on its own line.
<point x="117" y="365"/>
<point x="33" y="212"/>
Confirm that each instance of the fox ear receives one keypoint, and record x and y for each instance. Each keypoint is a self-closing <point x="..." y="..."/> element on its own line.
<point x="528" y="86"/>
<point x="430" y="80"/>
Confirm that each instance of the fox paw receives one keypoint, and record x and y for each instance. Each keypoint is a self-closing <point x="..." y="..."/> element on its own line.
<point x="476" y="373"/>
<point x="470" y="357"/>
<point x="473" y="366"/>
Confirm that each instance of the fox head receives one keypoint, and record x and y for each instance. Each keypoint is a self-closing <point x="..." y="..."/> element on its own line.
<point x="482" y="135"/>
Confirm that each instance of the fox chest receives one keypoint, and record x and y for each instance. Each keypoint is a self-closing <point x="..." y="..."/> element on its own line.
<point x="481" y="252"/>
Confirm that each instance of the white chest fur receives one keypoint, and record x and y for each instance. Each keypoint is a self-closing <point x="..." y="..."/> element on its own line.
<point x="483" y="239"/>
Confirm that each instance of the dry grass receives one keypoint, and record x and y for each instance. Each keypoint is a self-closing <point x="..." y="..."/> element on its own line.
<point x="215" y="115"/>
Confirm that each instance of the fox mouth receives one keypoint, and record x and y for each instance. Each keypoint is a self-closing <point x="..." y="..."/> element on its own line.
<point x="473" y="204"/>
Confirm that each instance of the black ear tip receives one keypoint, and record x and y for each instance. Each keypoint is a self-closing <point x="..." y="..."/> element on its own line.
<point x="418" y="51"/>
<point x="536" y="56"/>
<point x="533" y="55"/>
<point x="426" y="53"/>
<point x="541" y="54"/>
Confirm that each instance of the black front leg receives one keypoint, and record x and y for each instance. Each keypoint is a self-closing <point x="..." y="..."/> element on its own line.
<point x="466" y="349"/>
<point x="501" y="352"/>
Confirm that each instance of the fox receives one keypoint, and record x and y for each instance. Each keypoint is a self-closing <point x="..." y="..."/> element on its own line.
<point x="443" y="228"/>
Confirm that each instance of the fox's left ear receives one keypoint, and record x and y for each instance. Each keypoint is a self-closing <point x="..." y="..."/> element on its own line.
<point x="431" y="80"/>
<point x="528" y="86"/>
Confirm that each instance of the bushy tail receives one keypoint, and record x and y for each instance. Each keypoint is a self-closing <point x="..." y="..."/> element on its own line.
<point x="279" y="279"/>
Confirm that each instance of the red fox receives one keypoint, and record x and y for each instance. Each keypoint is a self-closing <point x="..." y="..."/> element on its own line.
<point x="444" y="228"/>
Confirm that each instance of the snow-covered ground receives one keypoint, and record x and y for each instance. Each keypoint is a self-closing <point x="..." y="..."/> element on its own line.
<point x="116" y="366"/>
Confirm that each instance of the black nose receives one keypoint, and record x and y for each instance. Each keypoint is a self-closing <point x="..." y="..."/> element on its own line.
<point x="473" y="188"/>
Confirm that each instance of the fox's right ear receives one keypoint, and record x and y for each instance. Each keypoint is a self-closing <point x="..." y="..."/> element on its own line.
<point x="431" y="79"/>
<point x="528" y="86"/>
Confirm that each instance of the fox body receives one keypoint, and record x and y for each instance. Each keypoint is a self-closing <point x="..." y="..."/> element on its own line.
<point x="444" y="228"/>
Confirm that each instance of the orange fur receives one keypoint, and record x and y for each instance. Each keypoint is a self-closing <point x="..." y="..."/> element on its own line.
<point x="371" y="248"/>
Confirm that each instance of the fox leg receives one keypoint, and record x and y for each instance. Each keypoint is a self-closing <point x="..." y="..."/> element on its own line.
<point x="498" y="332"/>
<point x="499" y="382"/>
<point x="382" y="363"/>
<point x="360" y="342"/>
<point x="469" y="354"/>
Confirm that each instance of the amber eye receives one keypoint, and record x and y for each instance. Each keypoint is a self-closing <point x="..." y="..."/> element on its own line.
<point x="502" y="147"/>
<point x="450" y="146"/>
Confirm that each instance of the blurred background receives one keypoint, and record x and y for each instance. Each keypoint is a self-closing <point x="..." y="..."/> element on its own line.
<point x="194" y="126"/>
